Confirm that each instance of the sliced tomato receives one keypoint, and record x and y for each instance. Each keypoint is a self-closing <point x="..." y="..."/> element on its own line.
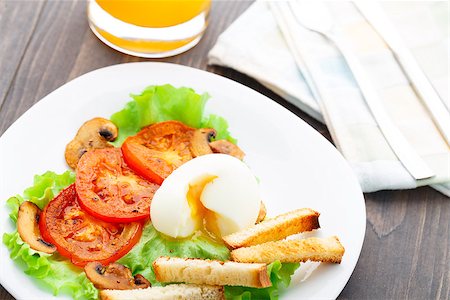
<point x="158" y="149"/>
<point x="81" y="237"/>
<point x="109" y="190"/>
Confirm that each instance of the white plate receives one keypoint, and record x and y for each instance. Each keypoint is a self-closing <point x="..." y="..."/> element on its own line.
<point x="296" y="166"/>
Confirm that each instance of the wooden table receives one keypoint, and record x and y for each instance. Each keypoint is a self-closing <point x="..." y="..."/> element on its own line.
<point x="44" y="44"/>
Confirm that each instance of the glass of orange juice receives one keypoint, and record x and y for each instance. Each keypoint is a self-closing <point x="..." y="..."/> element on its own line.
<point x="149" y="28"/>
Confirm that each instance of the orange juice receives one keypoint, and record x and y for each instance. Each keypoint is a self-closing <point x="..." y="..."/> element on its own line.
<point x="149" y="28"/>
<point x="154" y="13"/>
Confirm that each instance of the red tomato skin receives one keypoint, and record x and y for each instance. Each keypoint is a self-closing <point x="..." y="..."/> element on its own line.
<point x="134" y="162"/>
<point x="65" y="198"/>
<point x="158" y="149"/>
<point x="109" y="190"/>
<point x="65" y="193"/>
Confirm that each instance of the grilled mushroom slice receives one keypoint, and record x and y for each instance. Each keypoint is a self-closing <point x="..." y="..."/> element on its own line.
<point x="114" y="277"/>
<point x="227" y="147"/>
<point x="93" y="134"/>
<point x="200" y="141"/>
<point x="28" y="228"/>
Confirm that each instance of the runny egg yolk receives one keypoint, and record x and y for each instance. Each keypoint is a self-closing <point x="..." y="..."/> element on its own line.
<point x="206" y="220"/>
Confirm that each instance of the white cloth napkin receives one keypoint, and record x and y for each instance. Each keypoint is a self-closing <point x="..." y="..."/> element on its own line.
<point x="254" y="45"/>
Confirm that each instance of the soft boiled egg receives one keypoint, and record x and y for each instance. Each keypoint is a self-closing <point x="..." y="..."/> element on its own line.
<point x="215" y="192"/>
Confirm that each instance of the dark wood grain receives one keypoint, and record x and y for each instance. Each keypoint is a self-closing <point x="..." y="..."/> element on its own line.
<point x="21" y="15"/>
<point x="45" y="44"/>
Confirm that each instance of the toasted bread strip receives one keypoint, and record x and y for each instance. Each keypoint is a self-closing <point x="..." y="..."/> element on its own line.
<point x="314" y="249"/>
<point x="275" y="229"/>
<point x="210" y="272"/>
<point x="169" y="292"/>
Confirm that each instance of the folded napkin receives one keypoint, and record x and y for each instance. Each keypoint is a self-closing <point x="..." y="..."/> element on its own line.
<point x="254" y="45"/>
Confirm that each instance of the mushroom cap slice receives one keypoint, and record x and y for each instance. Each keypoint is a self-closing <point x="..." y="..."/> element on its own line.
<point x="28" y="228"/>
<point x="93" y="134"/>
<point x="227" y="147"/>
<point x="200" y="141"/>
<point x="114" y="277"/>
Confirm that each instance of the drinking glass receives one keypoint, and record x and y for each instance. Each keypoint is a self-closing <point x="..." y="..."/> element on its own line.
<point x="149" y="28"/>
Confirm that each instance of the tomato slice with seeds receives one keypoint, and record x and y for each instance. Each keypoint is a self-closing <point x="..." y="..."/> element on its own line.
<point x="158" y="149"/>
<point x="81" y="237"/>
<point x="109" y="190"/>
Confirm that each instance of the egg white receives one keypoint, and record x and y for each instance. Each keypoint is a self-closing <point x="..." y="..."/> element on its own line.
<point x="233" y="195"/>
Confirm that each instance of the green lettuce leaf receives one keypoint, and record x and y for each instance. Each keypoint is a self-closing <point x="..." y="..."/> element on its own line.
<point x="153" y="245"/>
<point x="52" y="271"/>
<point x="162" y="103"/>
<point x="45" y="187"/>
<point x="13" y="204"/>
<point x="280" y="276"/>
